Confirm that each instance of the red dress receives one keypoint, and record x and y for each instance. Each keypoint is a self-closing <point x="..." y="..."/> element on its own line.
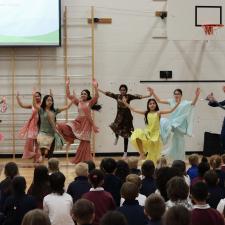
<point x="81" y="129"/>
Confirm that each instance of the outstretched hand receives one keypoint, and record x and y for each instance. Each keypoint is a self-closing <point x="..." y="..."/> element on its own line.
<point x="210" y="97"/>
<point x="95" y="83"/>
<point x="197" y="92"/>
<point x="68" y="81"/>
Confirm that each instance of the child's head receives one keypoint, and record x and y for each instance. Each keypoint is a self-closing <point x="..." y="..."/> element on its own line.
<point x="57" y="181"/>
<point x="108" y="165"/>
<point x="53" y="165"/>
<point x="215" y="162"/>
<point x="223" y="158"/>
<point x="19" y="185"/>
<point x="152" y="106"/>
<point x="177" y="215"/>
<point x="122" y="170"/>
<point x="91" y="165"/>
<point x="81" y="169"/>
<point x="96" y="178"/>
<point x="36" y="217"/>
<point x="11" y="170"/>
<point x="193" y="160"/>
<point x="199" y="192"/>
<point x="83" y="211"/>
<point x="113" y="218"/>
<point x="40" y="175"/>
<point x="211" y="178"/>
<point x="132" y="162"/>
<point x="202" y="168"/>
<point x="155" y="207"/>
<point x="180" y="166"/>
<point x="129" y="191"/>
<point x="177" y="189"/>
<point x="133" y="178"/>
<point x="148" y="168"/>
<point x="162" y="162"/>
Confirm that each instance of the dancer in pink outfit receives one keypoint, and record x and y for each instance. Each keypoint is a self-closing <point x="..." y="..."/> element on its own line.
<point x="83" y="125"/>
<point x="30" y="130"/>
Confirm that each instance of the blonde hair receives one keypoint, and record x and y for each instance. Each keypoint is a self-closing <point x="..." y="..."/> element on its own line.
<point x="161" y="162"/>
<point x="215" y="161"/>
<point x="132" y="162"/>
<point x="53" y="165"/>
<point x="193" y="159"/>
<point x="81" y="169"/>
<point x="133" y="178"/>
<point x="36" y="217"/>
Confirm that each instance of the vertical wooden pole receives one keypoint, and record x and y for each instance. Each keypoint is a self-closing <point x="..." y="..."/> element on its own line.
<point x="39" y="69"/>
<point x="93" y="68"/>
<point x="13" y="68"/>
<point x="65" y="52"/>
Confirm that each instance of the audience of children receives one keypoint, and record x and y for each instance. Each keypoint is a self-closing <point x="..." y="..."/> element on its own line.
<point x="97" y="203"/>
<point x="133" y="165"/>
<point x="80" y="185"/>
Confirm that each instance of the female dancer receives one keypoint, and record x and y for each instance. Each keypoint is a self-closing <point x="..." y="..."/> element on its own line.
<point x="82" y="126"/>
<point x="3" y="109"/>
<point x="148" y="141"/>
<point x="179" y="122"/>
<point x="123" y="123"/>
<point x="30" y="130"/>
<point x="48" y="137"/>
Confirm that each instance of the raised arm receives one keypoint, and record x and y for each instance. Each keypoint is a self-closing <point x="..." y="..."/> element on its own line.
<point x="157" y="97"/>
<point x="131" y="108"/>
<point x="65" y="107"/>
<point x="35" y="105"/>
<point x="169" y="110"/>
<point x="22" y="105"/>
<point x="197" y="93"/>
<point x="69" y="96"/>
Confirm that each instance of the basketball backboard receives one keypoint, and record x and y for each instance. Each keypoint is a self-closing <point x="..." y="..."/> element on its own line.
<point x="186" y="17"/>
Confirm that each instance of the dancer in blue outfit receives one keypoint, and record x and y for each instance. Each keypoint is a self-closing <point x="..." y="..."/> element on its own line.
<point x="179" y="123"/>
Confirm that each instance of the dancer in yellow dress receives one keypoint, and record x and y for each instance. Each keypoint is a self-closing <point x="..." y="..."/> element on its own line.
<point x="147" y="140"/>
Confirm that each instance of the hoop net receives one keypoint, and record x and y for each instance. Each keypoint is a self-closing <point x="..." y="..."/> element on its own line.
<point x="209" y="28"/>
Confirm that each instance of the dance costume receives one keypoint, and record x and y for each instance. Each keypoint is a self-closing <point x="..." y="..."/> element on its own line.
<point x="179" y="123"/>
<point x="30" y="132"/>
<point x="123" y="123"/>
<point x="81" y="129"/>
<point x="150" y="137"/>
<point x="222" y="135"/>
<point x="47" y="135"/>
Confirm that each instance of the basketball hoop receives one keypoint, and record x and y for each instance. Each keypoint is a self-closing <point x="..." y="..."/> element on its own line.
<point x="209" y="28"/>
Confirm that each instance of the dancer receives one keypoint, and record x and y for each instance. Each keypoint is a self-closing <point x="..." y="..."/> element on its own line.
<point x="123" y="123"/>
<point x="148" y="141"/>
<point x="3" y="109"/>
<point x="214" y="103"/>
<point x="30" y="130"/>
<point x="82" y="126"/>
<point x="180" y="123"/>
<point x="48" y="137"/>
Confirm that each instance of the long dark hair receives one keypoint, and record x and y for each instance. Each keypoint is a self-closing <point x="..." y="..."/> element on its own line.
<point x="43" y="104"/>
<point x="148" y="109"/>
<point x="96" y="106"/>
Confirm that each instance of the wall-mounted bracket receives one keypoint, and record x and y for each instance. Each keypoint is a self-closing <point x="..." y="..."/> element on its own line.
<point x="100" y="20"/>
<point x="161" y="14"/>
